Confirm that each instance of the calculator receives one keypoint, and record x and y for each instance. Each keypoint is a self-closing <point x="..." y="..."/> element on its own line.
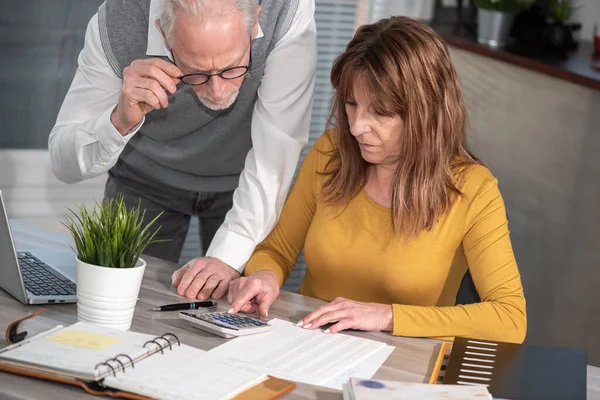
<point x="226" y="325"/>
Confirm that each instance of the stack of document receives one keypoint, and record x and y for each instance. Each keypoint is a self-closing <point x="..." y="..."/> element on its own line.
<point x="308" y="356"/>
<point x="370" y="389"/>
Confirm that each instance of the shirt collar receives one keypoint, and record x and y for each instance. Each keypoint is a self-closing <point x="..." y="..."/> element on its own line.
<point x="156" y="44"/>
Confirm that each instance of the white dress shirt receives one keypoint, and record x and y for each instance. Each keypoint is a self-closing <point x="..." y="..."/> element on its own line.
<point x="84" y="143"/>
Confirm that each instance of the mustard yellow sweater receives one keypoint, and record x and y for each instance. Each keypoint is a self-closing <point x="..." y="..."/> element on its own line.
<point x="355" y="254"/>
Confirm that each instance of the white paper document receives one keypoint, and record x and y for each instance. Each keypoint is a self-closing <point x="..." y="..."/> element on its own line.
<point x="301" y="355"/>
<point x="370" y="389"/>
<point x="364" y="369"/>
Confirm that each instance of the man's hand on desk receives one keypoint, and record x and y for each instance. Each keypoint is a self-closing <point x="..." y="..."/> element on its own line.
<point x="256" y="292"/>
<point x="202" y="277"/>
<point x="349" y="314"/>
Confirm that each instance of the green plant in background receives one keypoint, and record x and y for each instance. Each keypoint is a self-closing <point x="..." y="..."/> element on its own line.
<point x="111" y="235"/>
<point x="507" y="6"/>
<point x="561" y="10"/>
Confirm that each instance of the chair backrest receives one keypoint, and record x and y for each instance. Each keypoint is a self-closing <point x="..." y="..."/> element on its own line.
<point x="467" y="293"/>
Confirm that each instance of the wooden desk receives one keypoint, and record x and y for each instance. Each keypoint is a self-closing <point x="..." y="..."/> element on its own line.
<point x="411" y="361"/>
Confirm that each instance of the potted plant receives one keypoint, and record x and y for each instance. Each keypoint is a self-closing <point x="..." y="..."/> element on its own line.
<point x="421" y="10"/>
<point x="109" y="240"/>
<point x="495" y="19"/>
<point x="560" y="31"/>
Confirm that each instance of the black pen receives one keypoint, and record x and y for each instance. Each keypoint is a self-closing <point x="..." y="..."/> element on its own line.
<point x="186" y="306"/>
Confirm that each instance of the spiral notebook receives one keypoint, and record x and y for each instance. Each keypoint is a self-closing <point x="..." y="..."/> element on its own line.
<point x="102" y="359"/>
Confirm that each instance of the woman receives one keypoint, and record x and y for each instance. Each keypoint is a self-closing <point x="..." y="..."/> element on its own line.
<point x="391" y="207"/>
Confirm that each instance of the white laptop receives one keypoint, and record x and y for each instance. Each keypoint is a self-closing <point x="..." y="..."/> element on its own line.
<point x="37" y="276"/>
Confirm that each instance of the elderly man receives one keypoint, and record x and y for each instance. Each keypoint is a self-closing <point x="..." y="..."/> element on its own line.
<point x="194" y="107"/>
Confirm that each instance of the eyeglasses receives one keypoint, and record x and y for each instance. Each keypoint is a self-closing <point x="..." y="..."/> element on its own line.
<point x="229" y="73"/>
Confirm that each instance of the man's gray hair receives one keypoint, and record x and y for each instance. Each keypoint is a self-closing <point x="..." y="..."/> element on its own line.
<point x="168" y="10"/>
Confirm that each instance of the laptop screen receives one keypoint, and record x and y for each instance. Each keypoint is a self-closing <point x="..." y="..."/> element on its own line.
<point x="10" y="273"/>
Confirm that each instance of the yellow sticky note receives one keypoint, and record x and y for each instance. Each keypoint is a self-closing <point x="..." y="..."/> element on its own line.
<point x="85" y="340"/>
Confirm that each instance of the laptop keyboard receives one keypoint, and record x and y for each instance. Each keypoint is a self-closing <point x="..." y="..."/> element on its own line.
<point x="41" y="280"/>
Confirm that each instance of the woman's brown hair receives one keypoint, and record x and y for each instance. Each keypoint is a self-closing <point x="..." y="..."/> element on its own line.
<point x="405" y="69"/>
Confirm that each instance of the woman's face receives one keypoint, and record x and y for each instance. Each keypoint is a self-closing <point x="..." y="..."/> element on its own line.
<point x="378" y="136"/>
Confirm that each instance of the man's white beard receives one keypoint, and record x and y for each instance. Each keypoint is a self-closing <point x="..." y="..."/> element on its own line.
<point x="225" y="102"/>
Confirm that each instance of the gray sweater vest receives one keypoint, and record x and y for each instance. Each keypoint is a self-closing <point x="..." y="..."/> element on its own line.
<point x="187" y="145"/>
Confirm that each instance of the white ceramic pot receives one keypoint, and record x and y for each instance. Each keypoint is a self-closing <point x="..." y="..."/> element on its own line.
<point x="107" y="296"/>
<point x="493" y="27"/>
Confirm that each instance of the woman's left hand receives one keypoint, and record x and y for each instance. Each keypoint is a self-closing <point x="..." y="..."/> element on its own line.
<point x="350" y="314"/>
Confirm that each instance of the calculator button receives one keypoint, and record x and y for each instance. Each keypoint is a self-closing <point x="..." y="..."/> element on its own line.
<point x="235" y="320"/>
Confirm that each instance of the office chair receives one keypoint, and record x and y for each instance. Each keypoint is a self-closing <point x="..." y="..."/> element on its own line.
<point x="467" y="294"/>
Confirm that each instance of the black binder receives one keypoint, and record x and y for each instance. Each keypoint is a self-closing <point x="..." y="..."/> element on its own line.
<point x="523" y="372"/>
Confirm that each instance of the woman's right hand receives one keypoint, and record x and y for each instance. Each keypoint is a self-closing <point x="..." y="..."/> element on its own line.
<point x="256" y="292"/>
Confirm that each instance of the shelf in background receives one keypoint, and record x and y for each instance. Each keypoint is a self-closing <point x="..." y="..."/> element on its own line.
<point x="575" y="68"/>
